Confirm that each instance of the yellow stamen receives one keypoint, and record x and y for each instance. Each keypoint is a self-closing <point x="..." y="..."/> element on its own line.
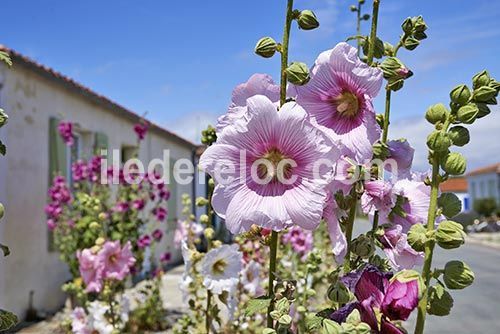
<point x="346" y="104"/>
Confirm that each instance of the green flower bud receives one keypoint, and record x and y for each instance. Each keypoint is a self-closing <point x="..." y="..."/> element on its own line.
<point x="450" y="235"/>
<point x="330" y="327"/>
<point x="266" y="47"/>
<point x="204" y="219"/>
<point x="457" y="275"/>
<point x="438" y="141"/>
<point x="380" y="119"/>
<point x="459" y="135"/>
<point x="419" y="23"/>
<point x="94" y="225"/>
<point x="2" y="210"/>
<point x="379" y="49"/>
<point x="407" y="26"/>
<point x="209" y="233"/>
<point x="363" y="246"/>
<point x="285" y="320"/>
<point x="484" y="110"/>
<point x="460" y="95"/>
<point x="419" y="35"/>
<point x="417" y="237"/>
<point x="495" y="84"/>
<point x="298" y="73"/>
<point x="439" y="301"/>
<point x="361" y="2"/>
<point x="353" y="8"/>
<point x="411" y="43"/>
<point x="394" y="69"/>
<point x="307" y="20"/>
<point x="339" y="293"/>
<point x="436" y="113"/>
<point x="454" y="164"/>
<point x="395" y="85"/>
<point x="467" y="114"/>
<point x="102" y="216"/>
<point x="484" y="94"/>
<point x="388" y="49"/>
<point x="365" y="17"/>
<point x="481" y="79"/>
<point x="380" y="150"/>
<point x="100" y="241"/>
<point x="201" y="201"/>
<point x="3" y="118"/>
<point x="450" y="204"/>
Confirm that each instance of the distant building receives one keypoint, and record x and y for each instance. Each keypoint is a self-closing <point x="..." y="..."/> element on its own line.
<point x="484" y="183"/>
<point x="458" y="186"/>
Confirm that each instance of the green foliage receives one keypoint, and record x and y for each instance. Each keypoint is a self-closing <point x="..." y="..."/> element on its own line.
<point x="7" y="320"/>
<point x="485" y="206"/>
<point x="256" y="305"/>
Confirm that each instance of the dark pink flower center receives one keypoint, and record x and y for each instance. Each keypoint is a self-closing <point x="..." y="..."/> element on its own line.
<point x="274" y="156"/>
<point x="346" y="104"/>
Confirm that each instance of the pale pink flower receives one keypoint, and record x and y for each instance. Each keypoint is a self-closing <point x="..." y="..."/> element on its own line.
<point x="116" y="261"/>
<point x="378" y="196"/>
<point x="400" y="254"/>
<point x="79" y="322"/>
<point x="277" y="137"/>
<point x="402" y="154"/>
<point x="301" y="240"/>
<point x="91" y="270"/>
<point x="415" y="204"/>
<point x="332" y="214"/>
<point x="339" y="96"/>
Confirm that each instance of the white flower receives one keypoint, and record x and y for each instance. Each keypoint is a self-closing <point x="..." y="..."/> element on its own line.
<point x="186" y="276"/>
<point x="250" y="278"/>
<point x="79" y="321"/>
<point x="97" y="318"/>
<point x="221" y="267"/>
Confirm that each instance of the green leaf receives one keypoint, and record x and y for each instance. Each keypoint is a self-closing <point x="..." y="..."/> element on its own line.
<point x="5" y="250"/>
<point x="7" y="320"/>
<point x="3" y="148"/>
<point x="313" y="321"/>
<point x="256" y="305"/>
<point x="4" y="56"/>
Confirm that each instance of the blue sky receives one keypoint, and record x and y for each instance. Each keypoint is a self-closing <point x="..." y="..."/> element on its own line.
<point x="179" y="60"/>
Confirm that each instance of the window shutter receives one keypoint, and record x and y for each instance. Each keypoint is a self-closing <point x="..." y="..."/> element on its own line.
<point x="100" y="142"/>
<point x="57" y="151"/>
<point x="172" y="202"/>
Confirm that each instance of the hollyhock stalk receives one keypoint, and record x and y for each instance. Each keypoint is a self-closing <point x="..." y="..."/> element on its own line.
<point x="283" y="81"/>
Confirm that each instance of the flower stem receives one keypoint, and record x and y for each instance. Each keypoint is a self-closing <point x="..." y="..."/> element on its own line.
<point x="358" y="26"/>
<point x="348" y="234"/>
<point x="387" y="114"/>
<point x="272" y="275"/>
<point x="284" y="50"/>
<point x="208" y="320"/>
<point x="373" y="33"/>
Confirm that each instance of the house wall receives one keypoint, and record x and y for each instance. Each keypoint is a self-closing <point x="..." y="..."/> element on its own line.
<point x="483" y="186"/>
<point x="30" y="100"/>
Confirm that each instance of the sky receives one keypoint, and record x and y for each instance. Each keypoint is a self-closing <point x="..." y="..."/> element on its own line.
<point x="179" y="60"/>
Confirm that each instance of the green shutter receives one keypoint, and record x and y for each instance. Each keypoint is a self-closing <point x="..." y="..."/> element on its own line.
<point x="100" y="142"/>
<point x="172" y="202"/>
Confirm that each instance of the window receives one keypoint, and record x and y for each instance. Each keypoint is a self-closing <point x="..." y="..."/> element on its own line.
<point x="473" y="190"/>
<point x="128" y="152"/>
<point x="73" y="154"/>
<point x="491" y="188"/>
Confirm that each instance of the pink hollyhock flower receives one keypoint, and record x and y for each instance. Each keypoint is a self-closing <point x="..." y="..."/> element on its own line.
<point x="53" y="210"/>
<point x="79" y="322"/>
<point x="157" y="234"/>
<point x="166" y="257"/>
<point x="257" y="84"/>
<point x="66" y="132"/>
<point x="257" y="193"/>
<point x="140" y="130"/>
<point x="378" y="195"/>
<point x="138" y="204"/>
<point x="121" y="207"/>
<point x="79" y="171"/>
<point x="401" y="298"/>
<point x="160" y="213"/>
<point x="51" y="224"/>
<point x="301" y="240"/>
<point x="339" y="96"/>
<point x="400" y="254"/>
<point x="164" y="194"/>
<point x="95" y="168"/>
<point x="181" y="233"/>
<point x="91" y="270"/>
<point x="59" y="192"/>
<point x="402" y="154"/>
<point x="415" y="203"/>
<point x="116" y="260"/>
<point x="332" y="213"/>
<point x="144" y="241"/>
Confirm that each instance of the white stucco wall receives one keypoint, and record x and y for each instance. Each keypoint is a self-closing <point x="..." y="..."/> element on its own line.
<point x="30" y="100"/>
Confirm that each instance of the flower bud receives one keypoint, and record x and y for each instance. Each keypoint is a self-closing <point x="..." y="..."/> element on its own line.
<point x="439" y="301"/>
<point x="407" y="26"/>
<point x="395" y="85"/>
<point x="3" y="118"/>
<point x="380" y="150"/>
<point x="411" y="43"/>
<point x="2" y="210"/>
<point x="201" y="201"/>
<point x="460" y="95"/>
<point x="438" y="141"/>
<point x="484" y="94"/>
<point x="419" y="35"/>
<point x="363" y="246"/>
<point x="484" y="110"/>
<point x="365" y="17"/>
<point x="388" y="49"/>
<point x="417" y="237"/>
<point x="436" y="113"/>
<point x="454" y="164"/>
<point x="459" y="135"/>
<point x="94" y="225"/>
<point x="100" y="241"/>
<point x="450" y="235"/>
<point x="481" y="79"/>
<point x="298" y="73"/>
<point x="457" y="275"/>
<point x="307" y="20"/>
<point x="353" y="8"/>
<point x="204" y="219"/>
<point x="266" y="47"/>
<point x="338" y="293"/>
<point x="361" y="2"/>
<point x="394" y="69"/>
<point x="467" y="114"/>
<point x="379" y="49"/>
<point x="450" y="204"/>
<point x="209" y="233"/>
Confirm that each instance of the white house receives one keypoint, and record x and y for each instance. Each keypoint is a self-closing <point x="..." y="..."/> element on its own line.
<point x="485" y="182"/>
<point x="458" y="186"/>
<point x="36" y="97"/>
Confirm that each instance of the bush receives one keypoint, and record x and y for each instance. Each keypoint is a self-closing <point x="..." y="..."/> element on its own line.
<point x="485" y="206"/>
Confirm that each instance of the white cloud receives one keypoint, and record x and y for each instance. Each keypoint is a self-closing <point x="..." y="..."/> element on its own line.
<point x="483" y="149"/>
<point x="190" y="126"/>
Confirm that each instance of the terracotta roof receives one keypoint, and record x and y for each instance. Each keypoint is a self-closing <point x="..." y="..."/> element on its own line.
<point x="78" y="88"/>
<point x="495" y="168"/>
<point x="454" y="185"/>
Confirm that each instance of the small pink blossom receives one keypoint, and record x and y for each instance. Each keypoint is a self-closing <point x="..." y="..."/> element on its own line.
<point x="160" y="213"/>
<point x="140" y="130"/>
<point x="301" y="240"/>
<point x="66" y="132"/>
<point x="157" y="234"/>
<point x="144" y="241"/>
<point x="166" y="257"/>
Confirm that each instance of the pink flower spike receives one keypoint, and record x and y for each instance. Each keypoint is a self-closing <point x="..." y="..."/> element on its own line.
<point x="66" y="132"/>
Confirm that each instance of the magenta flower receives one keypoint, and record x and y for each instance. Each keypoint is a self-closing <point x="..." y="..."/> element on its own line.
<point x="59" y="192"/>
<point x="160" y="213"/>
<point x="416" y="199"/>
<point x="166" y="257"/>
<point x="138" y="204"/>
<point x="301" y="240"/>
<point x="121" y="207"/>
<point x="257" y="84"/>
<point x="51" y="224"/>
<point x="402" y="154"/>
<point x="91" y="270"/>
<point x="339" y="96"/>
<point x="400" y="254"/>
<point x="95" y="168"/>
<point x="116" y="260"/>
<point x="140" y="130"/>
<point x="281" y="182"/>
<point x="66" y="132"/>
<point x="401" y="298"/>
<point x="144" y="241"/>
<point x="378" y="195"/>
<point x="157" y="234"/>
<point x="79" y="171"/>
<point x="53" y="210"/>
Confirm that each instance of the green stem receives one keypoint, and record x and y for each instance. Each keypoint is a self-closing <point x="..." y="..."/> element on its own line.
<point x="373" y="33"/>
<point x="387" y="114"/>
<point x="208" y="320"/>
<point x="272" y="275"/>
<point x="348" y="235"/>
<point x="358" y="26"/>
